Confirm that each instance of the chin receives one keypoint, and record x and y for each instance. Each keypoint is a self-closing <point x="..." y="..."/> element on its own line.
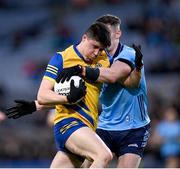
<point x="89" y="61"/>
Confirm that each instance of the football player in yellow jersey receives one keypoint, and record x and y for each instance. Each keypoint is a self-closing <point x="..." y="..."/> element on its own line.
<point x="74" y="125"/>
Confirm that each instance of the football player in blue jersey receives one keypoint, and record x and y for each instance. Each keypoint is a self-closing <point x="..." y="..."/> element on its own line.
<point x="124" y="123"/>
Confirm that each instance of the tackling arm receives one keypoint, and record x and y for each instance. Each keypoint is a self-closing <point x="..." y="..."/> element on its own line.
<point x="120" y="72"/>
<point x="24" y="107"/>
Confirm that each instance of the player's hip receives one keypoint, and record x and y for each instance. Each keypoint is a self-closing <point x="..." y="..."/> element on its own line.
<point x="91" y="123"/>
<point x="127" y="141"/>
<point x="63" y="130"/>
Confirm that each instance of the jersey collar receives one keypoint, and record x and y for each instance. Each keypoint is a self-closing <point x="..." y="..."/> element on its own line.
<point x="77" y="52"/>
<point x="118" y="50"/>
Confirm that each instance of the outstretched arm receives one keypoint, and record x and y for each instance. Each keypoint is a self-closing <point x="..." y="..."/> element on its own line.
<point x="24" y="107"/>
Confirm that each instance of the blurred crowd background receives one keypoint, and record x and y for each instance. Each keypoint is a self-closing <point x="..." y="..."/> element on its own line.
<point x="32" y="31"/>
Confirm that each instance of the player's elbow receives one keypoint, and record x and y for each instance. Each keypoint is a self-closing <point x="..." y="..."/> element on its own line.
<point x="40" y="99"/>
<point x="131" y="85"/>
<point x="137" y="85"/>
<point x="40" y="102"/>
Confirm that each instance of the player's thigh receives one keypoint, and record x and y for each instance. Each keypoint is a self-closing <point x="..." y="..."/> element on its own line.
<point x="86" y="142"/>
<point x="129" y="160"/>
<point x="65" y="160"/>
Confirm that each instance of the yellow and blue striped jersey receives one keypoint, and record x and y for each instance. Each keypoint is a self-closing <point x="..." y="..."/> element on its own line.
<point x="87" y="109"/>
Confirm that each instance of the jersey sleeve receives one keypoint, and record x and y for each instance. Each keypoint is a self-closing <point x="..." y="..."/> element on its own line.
<point x="127" y="55"/>
<point x="54" y="67"/>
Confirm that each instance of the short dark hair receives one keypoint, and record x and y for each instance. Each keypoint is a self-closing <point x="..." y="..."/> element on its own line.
<point x="109" y="19"/>
<point x="100" y="33"/>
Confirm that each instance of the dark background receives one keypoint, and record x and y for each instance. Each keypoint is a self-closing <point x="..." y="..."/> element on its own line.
<point x="30" y="34"/>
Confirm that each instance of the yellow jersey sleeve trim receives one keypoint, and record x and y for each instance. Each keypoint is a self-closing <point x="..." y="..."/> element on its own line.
<point x="52" y="67"/>
<point x="49" y="78"/>
<point x="51" y="72"/>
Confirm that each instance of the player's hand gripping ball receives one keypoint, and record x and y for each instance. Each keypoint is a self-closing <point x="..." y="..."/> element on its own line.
<point x="64" y="88"/>
<point x="74" y="89"/>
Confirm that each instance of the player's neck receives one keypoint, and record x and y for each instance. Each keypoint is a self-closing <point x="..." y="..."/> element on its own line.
<point x="112" y="51"/>
<point x="80" y="49"/>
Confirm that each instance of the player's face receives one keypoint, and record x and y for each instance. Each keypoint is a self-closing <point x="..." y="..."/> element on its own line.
<point x="115" y="35"/>
<point x="92" y="48"/>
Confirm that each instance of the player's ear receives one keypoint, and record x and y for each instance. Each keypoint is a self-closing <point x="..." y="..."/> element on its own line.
<point x="84" y="37"/>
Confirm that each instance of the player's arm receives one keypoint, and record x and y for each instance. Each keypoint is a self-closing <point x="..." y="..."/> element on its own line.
<point x="120" y="72"/>
<point x="40" y="107"/>
<point x="46" y="95"/>
<point x="24" y="107"/>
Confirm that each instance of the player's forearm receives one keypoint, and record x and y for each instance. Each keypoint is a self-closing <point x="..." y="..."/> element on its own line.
<point x="107" y="75"/>
<point x="50" y="98"/>
<point x="133" y="80"/>
<point x="102" y="75"/>
<point x="118" y="72"/>
<point x="40" y="107"/>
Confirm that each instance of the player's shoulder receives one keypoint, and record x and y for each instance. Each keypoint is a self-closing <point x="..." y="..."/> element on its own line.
<point x="66" y="54"/>
<point x="102" y="60"/>
<point x="127" y="52"/>
<point x="103" y="55"/>
<point x="68" y="49"/>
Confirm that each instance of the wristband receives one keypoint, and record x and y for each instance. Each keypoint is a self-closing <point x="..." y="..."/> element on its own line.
<point x="92" y="74"/>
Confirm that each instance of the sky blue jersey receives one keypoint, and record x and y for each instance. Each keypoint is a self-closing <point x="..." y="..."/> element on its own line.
<point x="124" y="108"/>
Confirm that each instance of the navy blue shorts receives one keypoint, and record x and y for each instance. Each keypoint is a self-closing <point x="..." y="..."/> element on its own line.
<point x="63" y="129"/>
<point x="127" y="141"/>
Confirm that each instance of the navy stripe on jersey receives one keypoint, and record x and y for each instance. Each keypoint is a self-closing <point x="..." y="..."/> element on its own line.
<point x="141" y="106"/>
<point x="109" y="57"/>
<point x="118" y="50"/>
<point x="77" y="52"/>
<point x="54" y="66"/>
<point x="82" y="104"/>
<point x="81" y="112"/>
<point x="127" y="62"/>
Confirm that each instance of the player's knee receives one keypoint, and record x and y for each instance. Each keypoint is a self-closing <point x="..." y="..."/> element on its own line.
<point x="106" y="156"/>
